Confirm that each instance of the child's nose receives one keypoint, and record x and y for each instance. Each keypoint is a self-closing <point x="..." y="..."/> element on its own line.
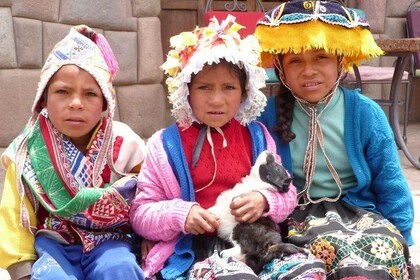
<point x="76" y="102"/>
<point x="308" y="69"/>
<point x="217" y="97"/>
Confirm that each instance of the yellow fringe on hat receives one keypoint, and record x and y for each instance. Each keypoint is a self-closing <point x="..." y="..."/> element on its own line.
<point x="355" y="44"/>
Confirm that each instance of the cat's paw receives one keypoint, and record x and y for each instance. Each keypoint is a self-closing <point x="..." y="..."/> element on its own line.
<point x="234" y="252"/>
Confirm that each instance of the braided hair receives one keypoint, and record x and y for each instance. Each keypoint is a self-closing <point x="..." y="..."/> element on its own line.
<point x="285" y="102"/>
<point x="284" y="107"/>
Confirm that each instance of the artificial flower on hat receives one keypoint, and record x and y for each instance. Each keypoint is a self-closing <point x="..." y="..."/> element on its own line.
<point x="301" y="25"/>
<point x="191" y="51"/>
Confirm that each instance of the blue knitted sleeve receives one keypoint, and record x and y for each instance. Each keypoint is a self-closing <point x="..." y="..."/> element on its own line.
<point x="393" y="196"/>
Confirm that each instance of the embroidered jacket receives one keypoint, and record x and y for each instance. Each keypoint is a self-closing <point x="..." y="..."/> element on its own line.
<point x="90" y="215"/>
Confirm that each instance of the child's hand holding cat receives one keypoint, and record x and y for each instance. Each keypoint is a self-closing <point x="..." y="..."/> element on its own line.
<point x="200" y="221"/>
<point x="248" y="207"/>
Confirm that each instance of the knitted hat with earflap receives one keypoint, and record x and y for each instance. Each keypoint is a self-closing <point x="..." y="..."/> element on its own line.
<point x="88" y="50"/>
<point x="302" y="25"/>
<point x="206" y="46"/>
<point x="91" y="52"/>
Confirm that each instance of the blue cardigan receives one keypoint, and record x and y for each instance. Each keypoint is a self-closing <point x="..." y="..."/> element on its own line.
<point x="372" y="152"/>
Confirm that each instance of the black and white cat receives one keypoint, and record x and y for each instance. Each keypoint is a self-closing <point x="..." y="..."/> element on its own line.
<point x="260" y="242"/>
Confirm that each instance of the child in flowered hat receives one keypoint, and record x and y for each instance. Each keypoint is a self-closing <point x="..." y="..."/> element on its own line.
<point x="71" y="173"/>
<point x="355" y="208"/>
<point x="214" y="82"/>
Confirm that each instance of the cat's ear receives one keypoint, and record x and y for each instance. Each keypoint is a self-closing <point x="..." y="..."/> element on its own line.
<point x="275" y="175"/>
<point x="270" y="157"/>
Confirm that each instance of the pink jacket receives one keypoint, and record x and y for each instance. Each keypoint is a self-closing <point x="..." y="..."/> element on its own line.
<point x="158" y="213"/>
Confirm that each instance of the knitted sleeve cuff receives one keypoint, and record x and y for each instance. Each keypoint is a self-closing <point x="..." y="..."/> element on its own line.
<point x="280" y="204"/>
<point x="180" y="210"/>
<point x="408" y="237"/>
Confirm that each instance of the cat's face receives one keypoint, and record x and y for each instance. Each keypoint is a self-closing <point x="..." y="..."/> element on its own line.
<point x="275" y="174"/>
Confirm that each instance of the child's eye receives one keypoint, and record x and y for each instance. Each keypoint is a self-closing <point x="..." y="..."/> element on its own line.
<point x="91" y="93"/>
<point x="230" y="87"/>
<point x="61" y="91"/>
<point x="203" y="87"/>
<point x="293" y="61"/>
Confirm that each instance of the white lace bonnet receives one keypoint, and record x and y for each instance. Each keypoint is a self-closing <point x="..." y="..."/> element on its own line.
<point x="205" y="46"/>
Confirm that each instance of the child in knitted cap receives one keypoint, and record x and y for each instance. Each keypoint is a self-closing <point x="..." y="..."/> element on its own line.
<point x="355" y="207"/>
<point x="70" y="175"/>
<point x="214" y="86"/>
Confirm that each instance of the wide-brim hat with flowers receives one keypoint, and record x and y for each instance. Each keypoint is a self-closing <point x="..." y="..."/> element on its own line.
<point x="87" y="49"/>
<point x="205" y="46"/>
<point x="301" y="25"/>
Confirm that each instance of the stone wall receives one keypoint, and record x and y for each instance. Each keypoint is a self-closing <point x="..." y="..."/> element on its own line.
<point x="387" y="20"/>
<point x="30" y="29"/>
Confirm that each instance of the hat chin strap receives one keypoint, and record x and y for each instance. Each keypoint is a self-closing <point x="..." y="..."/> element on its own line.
<point x="282" y="78"/>
<point x="315" y="140"/>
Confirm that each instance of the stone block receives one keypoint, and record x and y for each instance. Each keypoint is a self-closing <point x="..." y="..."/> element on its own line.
<point x="142" y="107"/>
<point x="45" y="10"/>
<point x="105" y="14"/>
<point x="146" y="8"/>
<point x="397" y="8"/>
<point x="7" y="42"/>
<point x="150" y="55"/>
<point x="5" y="3"/>
<point x="395" y="27"/>
<point x="16" y="101"/>
<point x="351" y="3"/>
<point x="375" y="13"/>
<point x="124" y="45"/>
<point x="28" y="42"/>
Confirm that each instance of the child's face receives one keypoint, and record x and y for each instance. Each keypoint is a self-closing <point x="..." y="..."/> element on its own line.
<point x="215" y="95"/>
<point x="74" y="103"/>
<point x="310" y="75"/>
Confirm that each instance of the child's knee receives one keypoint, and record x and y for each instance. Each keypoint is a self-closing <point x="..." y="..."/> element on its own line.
<point x="113" y="260"/>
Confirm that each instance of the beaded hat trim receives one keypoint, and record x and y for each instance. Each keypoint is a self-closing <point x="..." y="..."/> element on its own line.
<point x="302" y="25"/>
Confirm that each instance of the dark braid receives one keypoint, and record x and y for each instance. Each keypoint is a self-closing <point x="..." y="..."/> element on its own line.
<point x="284" y="105"/>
